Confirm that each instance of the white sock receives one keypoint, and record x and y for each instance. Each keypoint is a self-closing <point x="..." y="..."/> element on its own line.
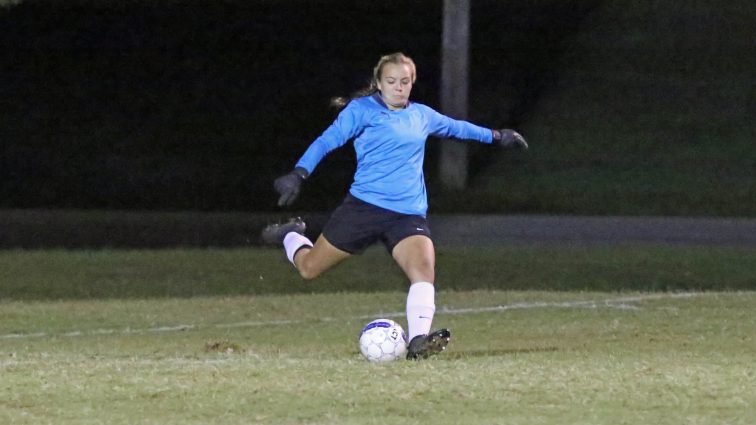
<point x="293" y="241"/>
<point x="421" y="305"/>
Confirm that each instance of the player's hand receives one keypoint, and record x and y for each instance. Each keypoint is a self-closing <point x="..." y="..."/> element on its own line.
<point x="507" y="138"/>
<point x="288" y="186"/>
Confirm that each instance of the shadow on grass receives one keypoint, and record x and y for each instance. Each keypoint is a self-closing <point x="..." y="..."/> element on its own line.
<point x="466" y="354"/>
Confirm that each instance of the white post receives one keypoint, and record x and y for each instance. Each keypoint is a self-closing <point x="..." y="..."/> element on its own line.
<point x="454" y="81"/>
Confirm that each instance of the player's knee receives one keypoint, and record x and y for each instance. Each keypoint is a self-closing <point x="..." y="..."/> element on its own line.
<point x="308" y="272"/>
<point x="424" y="267"/>
<point x="420" y="275"/>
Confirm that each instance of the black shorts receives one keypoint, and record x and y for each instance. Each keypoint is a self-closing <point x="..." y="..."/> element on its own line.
<point x="356" y="224"/>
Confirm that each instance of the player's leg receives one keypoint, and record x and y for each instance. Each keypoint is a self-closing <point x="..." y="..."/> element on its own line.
<point x="416" y="256"/>
<point x="349" y="231"/>
<point x="311" y="261"/>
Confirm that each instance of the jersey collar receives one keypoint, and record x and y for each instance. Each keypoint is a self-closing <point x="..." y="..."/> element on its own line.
<point x="377" y="96"/>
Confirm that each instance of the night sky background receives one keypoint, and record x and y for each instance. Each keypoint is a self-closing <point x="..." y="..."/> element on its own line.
<point x="198" y="105"/>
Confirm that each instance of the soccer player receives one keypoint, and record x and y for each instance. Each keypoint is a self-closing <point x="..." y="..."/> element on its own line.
<point x="387" y="201"/>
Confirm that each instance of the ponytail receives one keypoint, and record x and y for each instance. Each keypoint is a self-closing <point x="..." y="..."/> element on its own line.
<point x="339" y="102"/>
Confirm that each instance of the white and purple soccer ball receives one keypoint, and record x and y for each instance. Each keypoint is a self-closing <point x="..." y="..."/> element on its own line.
<point x="383" y="340"/>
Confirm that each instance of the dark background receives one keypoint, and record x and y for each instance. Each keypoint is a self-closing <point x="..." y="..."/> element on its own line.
<point x="198" y="105"/>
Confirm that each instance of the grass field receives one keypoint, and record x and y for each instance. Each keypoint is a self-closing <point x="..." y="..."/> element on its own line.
<point x="233" y="336"/>
<point x="516" y="358"/>
<point x="98" y="274"/>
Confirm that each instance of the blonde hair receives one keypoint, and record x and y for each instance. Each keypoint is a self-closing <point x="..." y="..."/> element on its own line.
<point x="397" y="58"/>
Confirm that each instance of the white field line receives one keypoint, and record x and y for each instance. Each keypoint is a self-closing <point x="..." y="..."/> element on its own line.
<point x="621" y="303"/>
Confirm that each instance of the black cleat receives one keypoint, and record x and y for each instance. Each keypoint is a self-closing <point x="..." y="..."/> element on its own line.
<point x="424" y="346"/>
<point x="274" y="234"/>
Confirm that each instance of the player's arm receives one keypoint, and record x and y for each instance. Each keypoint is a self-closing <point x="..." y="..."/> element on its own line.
<point x="446" y="127"/>
<point x="344" y="128"/>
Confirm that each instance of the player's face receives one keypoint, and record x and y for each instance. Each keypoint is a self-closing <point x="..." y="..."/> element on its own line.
<point x="395" y="85"/>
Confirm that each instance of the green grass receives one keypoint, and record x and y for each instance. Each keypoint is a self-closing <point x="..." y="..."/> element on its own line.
<point x="544" y="357"/>
<point x="189" y="336"/>
<point x="61" y="274"/>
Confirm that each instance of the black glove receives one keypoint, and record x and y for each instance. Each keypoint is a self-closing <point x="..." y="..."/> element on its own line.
<point x="288" y="186"/>
<point x="507" y="138"/>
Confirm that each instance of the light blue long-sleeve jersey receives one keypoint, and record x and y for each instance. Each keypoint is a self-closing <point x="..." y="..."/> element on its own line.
<point x="390" y="148"/>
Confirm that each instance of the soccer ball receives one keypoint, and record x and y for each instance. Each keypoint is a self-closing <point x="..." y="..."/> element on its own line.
<point x="383" y="340"/>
